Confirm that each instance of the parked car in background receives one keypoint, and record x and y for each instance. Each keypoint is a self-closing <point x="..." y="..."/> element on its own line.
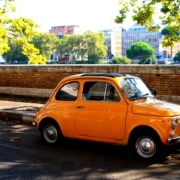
<point x="110" y="108"/>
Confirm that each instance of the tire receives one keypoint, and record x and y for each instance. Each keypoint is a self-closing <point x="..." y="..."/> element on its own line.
<point x="50" y="133"/>
<point x="146" y="147"/>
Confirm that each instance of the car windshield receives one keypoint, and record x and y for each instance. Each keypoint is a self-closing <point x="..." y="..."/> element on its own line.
<point x="134" y="88"/>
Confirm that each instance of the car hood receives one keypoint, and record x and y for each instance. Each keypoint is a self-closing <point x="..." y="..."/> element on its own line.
<point x="152" y="106"/>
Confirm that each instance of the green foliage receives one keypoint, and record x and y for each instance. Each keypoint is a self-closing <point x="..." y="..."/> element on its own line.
<point x="121" y="60"/>
<point x="170" y="36"/>
<point x="165" y="31"/>
<point x="88" y="45"/>
<point x="177" y="57"/>
<point x="46" y="43"/>
<point x="95" y="43"/>
<point x="22" y="29"/>
<point x="143" y="52"/>
<point x="15" y="53"/>
<point x="144" y="13"/>
<point x="148" y="60"/>
<point x="140" y="50"/>
<point x="101" y="62"/>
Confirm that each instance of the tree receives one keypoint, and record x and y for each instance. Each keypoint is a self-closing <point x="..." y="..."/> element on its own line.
<point x="75" y="45"/>
<point x="15" y="53"/>
<point x="22" y="29"/>
<point x="88" y="45"/>
<point x="121" y="60"/>
<point x="46" y="43"/>
<point x="144" y="13"/>
<point x="143" y="52"/>
<point x="168" y="41"/>
<point x="177" y="56"/>
<point x="96" y="48"/>
<point x="140" y="50"/>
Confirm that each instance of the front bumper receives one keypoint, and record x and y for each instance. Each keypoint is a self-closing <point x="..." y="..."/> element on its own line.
<point x="174" y="140"/>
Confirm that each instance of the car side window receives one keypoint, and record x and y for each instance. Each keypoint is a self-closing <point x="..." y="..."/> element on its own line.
<point x="68" y="92"/>
<point x="94" y="91"/>
<point x="100" y="91"/>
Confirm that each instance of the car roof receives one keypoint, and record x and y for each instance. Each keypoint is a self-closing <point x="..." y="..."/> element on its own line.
<point x="104" y="74"/>
<point x="96" y="75"/>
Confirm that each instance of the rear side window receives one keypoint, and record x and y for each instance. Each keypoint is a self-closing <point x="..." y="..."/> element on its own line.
<point x="68" y="92"/>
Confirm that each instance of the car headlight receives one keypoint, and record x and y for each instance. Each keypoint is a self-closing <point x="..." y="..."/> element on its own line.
<point x="174" y="123"/>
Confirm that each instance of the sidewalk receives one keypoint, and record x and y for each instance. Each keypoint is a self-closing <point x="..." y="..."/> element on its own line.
<point x="20" y="109"/>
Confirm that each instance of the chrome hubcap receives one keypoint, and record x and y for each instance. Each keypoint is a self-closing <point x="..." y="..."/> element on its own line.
<point x="50" y="133"/>
<point x="145" y="147"/>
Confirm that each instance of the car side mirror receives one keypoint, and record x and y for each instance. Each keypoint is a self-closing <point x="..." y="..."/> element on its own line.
<point x="155" y="92"/>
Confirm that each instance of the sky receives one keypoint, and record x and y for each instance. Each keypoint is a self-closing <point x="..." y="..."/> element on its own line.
<point x="88" y="14"/>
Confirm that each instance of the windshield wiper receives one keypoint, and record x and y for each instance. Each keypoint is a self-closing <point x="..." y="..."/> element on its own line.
<point x="143" y="96"/>
<point x="139" y="97"/>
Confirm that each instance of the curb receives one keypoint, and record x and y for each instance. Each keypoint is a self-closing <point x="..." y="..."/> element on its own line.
<point x="19" y="117"/>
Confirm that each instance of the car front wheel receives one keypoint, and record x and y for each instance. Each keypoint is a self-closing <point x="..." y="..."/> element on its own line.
<point x="146" y="147"/>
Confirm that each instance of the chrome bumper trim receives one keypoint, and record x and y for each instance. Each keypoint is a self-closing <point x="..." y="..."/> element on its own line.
<point x="174" y="140"/>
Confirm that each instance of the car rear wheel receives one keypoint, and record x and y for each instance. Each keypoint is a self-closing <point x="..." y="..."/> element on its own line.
<point x="50" y="133"/>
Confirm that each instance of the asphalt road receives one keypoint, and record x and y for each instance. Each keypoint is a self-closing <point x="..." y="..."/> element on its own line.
<point x="24" y="156"/>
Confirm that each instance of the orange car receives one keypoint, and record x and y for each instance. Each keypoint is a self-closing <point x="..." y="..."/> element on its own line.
<point x="111" y="108"/>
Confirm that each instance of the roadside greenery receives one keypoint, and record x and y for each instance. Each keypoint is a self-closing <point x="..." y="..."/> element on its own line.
<point x="149" y="60"/>
<point x="177" y="57"/>
<point x="88" y="46"/>
<point x="121" y="60"/>
<point x="14" y="55"/>
<point x="145" y="14"/>
<point x="46" y="43"/>
<point x="142" y="52"/>
<point x="21" y="29"/>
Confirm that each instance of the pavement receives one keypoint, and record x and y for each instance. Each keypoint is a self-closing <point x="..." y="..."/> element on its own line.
<point x="20" y="109"/>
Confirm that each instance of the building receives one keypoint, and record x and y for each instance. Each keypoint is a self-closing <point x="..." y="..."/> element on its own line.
<point x="60" y="31"/>
<point x="139" y="33"/>
<point x="168" y="51"/>
<point x="113" y="41"/>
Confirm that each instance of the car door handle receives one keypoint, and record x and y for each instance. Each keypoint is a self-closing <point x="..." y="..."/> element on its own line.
<point x="80" y="106"/>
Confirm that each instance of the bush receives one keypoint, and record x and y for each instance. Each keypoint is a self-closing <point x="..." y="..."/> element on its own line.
<point x="177" y="57"/>
<point x="121" y="60"/>
<point x="149" y="60"/>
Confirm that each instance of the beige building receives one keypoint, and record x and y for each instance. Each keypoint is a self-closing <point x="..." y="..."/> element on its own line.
<point x="113" y="41"/>
<point x="168" y="51"/>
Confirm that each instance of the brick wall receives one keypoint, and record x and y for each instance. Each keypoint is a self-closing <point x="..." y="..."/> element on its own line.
<point x="166" y="79"/>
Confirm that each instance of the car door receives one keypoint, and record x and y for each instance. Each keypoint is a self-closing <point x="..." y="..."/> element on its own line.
<point x="98" y="114"/>
<point x="64" y="106"/>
